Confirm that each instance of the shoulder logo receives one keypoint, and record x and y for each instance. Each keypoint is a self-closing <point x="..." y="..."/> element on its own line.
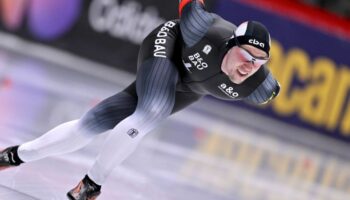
<point x="229" y="91"/>
<point x="207" y="48"/>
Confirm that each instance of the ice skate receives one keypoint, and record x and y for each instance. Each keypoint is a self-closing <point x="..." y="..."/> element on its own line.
<point x="85" y="190"/>
<point x="9" y="158"/>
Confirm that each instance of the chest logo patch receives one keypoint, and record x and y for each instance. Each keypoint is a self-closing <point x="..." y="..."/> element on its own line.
<point x="198" y="61"/>
<point x="207" y="48"/>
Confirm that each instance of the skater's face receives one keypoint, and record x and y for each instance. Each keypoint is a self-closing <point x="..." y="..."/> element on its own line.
<point x="241" y="62"/>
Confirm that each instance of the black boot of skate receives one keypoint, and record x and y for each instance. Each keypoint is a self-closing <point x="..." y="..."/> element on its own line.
<point x="85" y="190"/>
<point x="9" y="158"/>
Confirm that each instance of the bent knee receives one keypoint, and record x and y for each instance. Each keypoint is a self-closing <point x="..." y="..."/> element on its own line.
<point x="92" y="123"/>
<point x="155" y="110"/>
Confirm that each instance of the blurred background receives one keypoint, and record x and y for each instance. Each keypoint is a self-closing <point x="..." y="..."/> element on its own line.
<point x="58" y="58"/>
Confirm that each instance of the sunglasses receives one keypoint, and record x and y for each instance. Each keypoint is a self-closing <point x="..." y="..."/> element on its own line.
<point x="256" y="61"/>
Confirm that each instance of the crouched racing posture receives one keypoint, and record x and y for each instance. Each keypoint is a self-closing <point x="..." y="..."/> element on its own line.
<point x="179" y="62"/>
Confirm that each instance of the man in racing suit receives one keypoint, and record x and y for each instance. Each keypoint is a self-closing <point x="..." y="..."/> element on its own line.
<point x="179" y="62"/>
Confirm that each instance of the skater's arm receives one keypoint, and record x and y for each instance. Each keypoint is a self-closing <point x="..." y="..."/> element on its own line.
<point x="267" y="91"/>
<point x="184" y="3"/>
<point x="194" y="20"/>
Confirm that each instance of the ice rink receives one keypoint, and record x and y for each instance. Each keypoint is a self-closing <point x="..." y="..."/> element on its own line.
<point x="210" y="151"/>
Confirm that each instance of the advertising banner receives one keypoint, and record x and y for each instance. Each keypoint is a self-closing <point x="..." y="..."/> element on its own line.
<point x="107" y="31"/>
<point x="311" y="65"/>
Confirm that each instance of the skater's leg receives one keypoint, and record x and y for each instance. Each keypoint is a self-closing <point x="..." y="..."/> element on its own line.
<point x="74" y="135"/>
<point x="156" y="85"/>
<point x="64" y="138"/>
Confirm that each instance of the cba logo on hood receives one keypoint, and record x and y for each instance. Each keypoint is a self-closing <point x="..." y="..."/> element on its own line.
<point x="45" y="19"/>
<point x="256" y="42"/>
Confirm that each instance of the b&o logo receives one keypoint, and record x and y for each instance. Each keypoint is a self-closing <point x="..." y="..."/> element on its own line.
<point x="229" y="91"/>
<point x="198" y="61"/>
